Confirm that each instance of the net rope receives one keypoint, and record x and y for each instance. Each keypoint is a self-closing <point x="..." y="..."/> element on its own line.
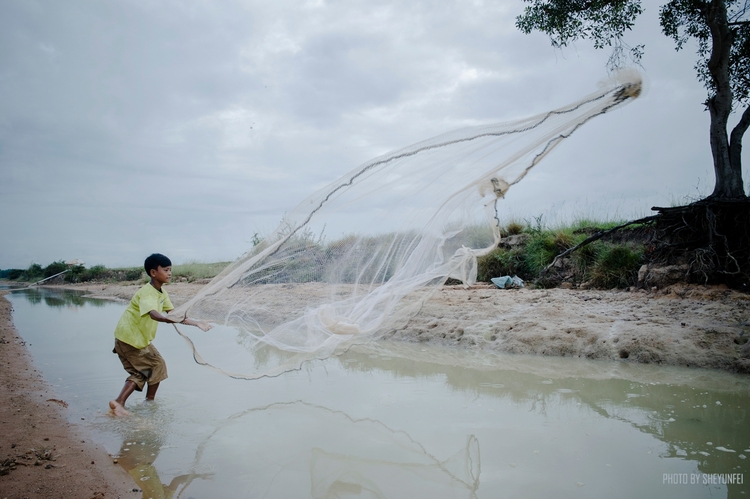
<point x="357" y="258"/>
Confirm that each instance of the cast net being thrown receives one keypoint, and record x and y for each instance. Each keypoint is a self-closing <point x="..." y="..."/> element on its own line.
<point x="358" y="257"/>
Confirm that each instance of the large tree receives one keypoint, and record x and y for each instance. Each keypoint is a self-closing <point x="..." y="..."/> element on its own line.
<point x="722" y="30"/>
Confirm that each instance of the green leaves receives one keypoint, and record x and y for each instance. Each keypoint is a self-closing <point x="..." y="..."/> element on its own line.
<point x="683" y="20"/>
<point x="602" y="21"/>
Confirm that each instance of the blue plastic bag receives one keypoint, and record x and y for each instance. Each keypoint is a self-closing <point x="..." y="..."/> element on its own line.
<point x="507" y="281"/>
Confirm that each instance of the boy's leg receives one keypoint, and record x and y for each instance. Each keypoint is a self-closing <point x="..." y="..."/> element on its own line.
<point x="129" y="357"/>
<point x="145" y="365"/>
<point x="151" y="391"/>
<point x="118" y="405"/>
<point x="156" y="371"/>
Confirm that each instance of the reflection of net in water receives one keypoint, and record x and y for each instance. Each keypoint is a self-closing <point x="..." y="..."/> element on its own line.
<point x="404" y="223"/>
<point x="299" y="449"/>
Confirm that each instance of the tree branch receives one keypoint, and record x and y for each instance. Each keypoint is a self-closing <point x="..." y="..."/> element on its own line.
<point x="739" y="130"/>
<point x="735" y="139"/>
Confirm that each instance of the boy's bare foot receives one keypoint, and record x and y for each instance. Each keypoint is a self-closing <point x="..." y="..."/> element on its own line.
<point x="117" y="408"/>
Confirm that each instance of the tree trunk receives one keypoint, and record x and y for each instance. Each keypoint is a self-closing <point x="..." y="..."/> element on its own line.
<point x="727" y="164"/>
<point x="735" y="140"/>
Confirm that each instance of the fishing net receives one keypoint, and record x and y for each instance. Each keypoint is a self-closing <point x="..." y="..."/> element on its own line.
<point x="358" y="257"/>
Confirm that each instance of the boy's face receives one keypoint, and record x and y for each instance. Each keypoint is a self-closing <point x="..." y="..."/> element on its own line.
<point x="161" y="274"/>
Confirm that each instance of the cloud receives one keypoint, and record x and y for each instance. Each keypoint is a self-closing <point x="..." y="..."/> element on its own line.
<point x="130" y="127"/>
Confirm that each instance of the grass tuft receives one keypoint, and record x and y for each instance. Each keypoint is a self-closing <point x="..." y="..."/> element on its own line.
<point x="500" y="262"/>
<point x="616" y="266"/>
<point x="514" y="228"/>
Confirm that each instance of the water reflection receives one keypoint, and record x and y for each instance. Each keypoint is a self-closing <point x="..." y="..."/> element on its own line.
<point x="143" y="438"/>
<point x="6" y="285"/>
<point x="57" y="298"/>
<point x="328" y="454"/>
<point x="701" y="415"/>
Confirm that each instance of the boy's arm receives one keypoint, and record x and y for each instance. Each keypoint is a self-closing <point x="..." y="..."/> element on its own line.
<point x="188" y="322"/>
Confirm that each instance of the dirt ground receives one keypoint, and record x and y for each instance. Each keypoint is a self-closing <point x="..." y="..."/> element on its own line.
<point x="695" y="326"/>
<point x="42" y="455"/>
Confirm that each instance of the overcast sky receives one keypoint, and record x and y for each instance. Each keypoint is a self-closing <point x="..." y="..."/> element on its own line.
<point x="185" y="127"/>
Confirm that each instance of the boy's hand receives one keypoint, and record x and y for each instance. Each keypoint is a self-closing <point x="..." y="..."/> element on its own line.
<point x="203" y="326"/>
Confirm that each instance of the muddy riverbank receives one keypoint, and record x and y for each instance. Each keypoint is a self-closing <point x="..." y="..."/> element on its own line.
<point x="43" y="455"/>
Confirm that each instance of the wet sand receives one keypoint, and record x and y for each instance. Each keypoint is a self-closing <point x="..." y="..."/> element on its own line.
<point x="695" y="326"/>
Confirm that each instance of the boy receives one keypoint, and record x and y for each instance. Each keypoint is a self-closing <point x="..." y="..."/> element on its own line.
<point x="137" y="329"/>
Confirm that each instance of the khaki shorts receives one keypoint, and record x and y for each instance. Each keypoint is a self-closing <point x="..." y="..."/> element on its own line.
<point x="145" y="365"/>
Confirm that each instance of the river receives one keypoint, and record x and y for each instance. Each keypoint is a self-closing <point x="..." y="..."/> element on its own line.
<point x="395" y="420"/>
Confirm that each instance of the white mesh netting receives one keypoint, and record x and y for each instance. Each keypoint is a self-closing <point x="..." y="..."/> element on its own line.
<point x="358" y="257"/>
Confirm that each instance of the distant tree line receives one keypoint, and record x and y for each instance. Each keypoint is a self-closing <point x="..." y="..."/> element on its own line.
<point x="75" y="273"/>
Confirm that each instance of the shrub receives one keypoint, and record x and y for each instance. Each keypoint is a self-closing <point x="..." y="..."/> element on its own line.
<point x="563" y="240"/>
<point x="133" y="274"/>
<point x="75" y="274"/>
<point x="95" y="272"/>
<point x="616" y="267"/>
<point x="55" y="268"/>
<point x="605" y="264"/>
<point x="14" y="274"/>
<point x="514" y="228"/>
<point x="498" y="263"/>
<point x="539" y="252"/>
<point x="35" y="271"/>
<point x="587" y="255"/>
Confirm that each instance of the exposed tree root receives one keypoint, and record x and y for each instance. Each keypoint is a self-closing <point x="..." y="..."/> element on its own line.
<point x="711" y="237"/>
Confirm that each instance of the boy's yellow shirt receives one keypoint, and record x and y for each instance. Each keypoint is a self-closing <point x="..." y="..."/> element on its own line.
<point x="136" y="327"/>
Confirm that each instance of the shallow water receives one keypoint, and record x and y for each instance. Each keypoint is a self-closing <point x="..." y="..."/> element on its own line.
<point x="394" y="420"/>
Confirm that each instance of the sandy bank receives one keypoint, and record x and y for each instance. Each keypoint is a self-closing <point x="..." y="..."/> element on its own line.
<point x="694" y="326"/>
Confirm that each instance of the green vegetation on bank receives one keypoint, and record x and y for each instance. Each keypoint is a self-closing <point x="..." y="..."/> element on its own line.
<point x="526" y="250"/>
<point x="75" y="273"/>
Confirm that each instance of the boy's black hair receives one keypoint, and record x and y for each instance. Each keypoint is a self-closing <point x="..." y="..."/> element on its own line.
<point x="156" y="260"/>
